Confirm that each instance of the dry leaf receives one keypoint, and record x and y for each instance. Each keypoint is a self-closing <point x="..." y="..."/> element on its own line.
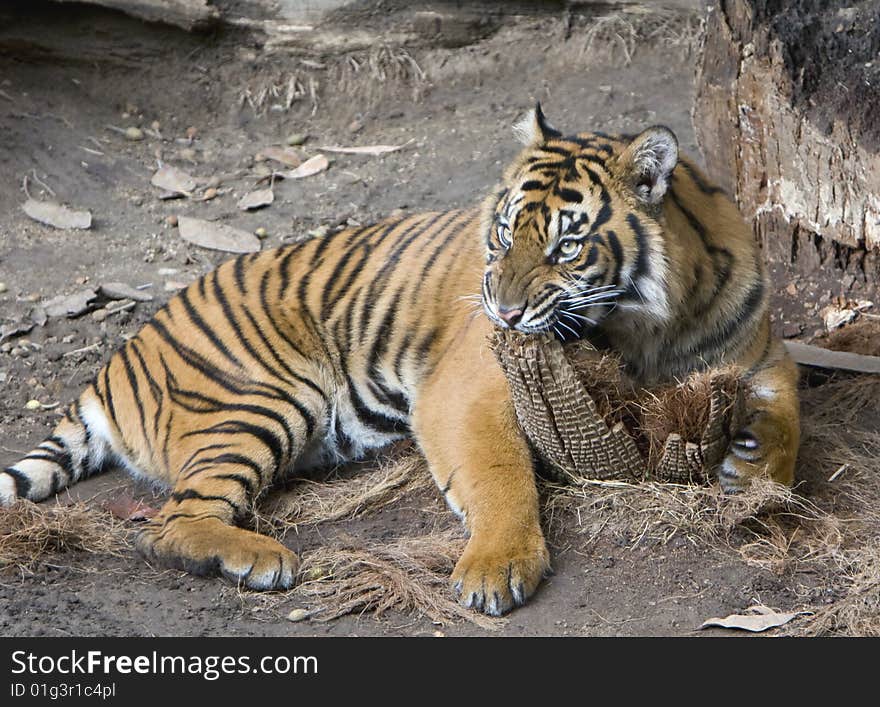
<point x="311" y="166"/>
<point x="10" y="331"/>
<point x="70" y="305"/>
<point x="256" y="199"/>
<point x="217" y="236"/>
<point x="174" y="181"/>
<point x="758" y="618"/>
<point x="284" y="155"/>
<point x="56" y="215"/>
<point x="119" y="290"/>
<point x="125" y="507"/>
<point x="366" y="149"/>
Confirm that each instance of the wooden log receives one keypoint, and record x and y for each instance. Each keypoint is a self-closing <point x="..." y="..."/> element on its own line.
<point x="786" y="116"/>
<point x="186" y="14"/>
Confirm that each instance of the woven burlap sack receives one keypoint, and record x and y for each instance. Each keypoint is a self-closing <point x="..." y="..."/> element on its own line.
<point x="562" y="421"/>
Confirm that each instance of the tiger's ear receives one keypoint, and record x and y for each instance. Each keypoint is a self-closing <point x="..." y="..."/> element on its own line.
<point x="647" y="163"/>
<point x="533" y="128"/>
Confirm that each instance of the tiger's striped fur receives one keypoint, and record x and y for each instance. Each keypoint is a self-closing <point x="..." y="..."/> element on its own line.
<point x="317" y="352"/>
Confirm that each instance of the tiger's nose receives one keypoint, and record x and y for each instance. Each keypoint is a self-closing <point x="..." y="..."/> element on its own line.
<point x="510" y="316"/>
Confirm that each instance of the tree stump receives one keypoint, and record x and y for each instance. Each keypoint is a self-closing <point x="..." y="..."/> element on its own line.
<point x="786" y="114"/>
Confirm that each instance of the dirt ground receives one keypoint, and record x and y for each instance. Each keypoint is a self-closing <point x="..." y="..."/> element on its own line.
<point x="85" y="69"/>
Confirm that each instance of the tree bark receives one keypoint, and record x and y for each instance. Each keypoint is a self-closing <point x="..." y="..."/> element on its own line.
<point x="788" y="94"/>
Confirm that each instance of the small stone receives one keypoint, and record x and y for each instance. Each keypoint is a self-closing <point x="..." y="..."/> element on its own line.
<point x="134" y="134"/>
<point x="210" y="193"/>
<point x="791" y="289"/>
<point x="171" y="220"/>
<point x="791" y="330"/>
<point x="214" y="182"/>
<point x="155" y="125"/>
<point x="3" y="287"/>
<point x="33" y="405"/>
<point x="191" y="132"/>
<point x="439" y="634"/>
<point x="137" y="200"/>
<point x="295" y="139"/>
<point x="54" y="353"/>
<point x="99" y="315"/>
<point x="261" y="232"/>
<point x="296" y="614"/>
<point x="24" y="343"/>
<point x="355" y="126"/>
<point x="188" y="154"/>
<point x="18" y="351"/>
<point x="68" y="339"/>
<point x="259" y="157"/>
<point x="6" y="347"/>
<point x="33" y="382"/>
<point x="262" y="170"/>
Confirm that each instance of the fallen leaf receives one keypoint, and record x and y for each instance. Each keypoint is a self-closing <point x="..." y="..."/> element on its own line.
<point x="119" y="290"/>
<point x="284" y="155"/>
<point x="217" y="236"/>
<point x="311" y="166"/>
<point x="256" y="199"/>
<point x="10" y="331"/>
<point x="366" y="149"/>
<point x="70" y="305"/>
<point x="57" y="215"/>
<point x="834" y="316"/>
<point x="125" y="507"/>
<point x="172" y="180"/>
<point x="756" y="619"/>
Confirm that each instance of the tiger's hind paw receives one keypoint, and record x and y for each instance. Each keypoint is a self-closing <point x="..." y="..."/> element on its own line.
<point x="207" y="546"/>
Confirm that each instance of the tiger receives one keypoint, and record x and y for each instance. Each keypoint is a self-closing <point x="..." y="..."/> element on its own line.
<point x="317" y="352"/>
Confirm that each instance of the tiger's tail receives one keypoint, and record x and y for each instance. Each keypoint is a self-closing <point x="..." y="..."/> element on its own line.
<point x="80" y="446"/>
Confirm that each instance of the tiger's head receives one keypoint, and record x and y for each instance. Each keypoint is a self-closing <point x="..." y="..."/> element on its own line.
<point x="574" y="231"/>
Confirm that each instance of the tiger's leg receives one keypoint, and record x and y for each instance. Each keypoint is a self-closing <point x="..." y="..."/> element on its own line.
<point x="223" y="466"/>
<point x="485" y="471"/>
<point x="767" y="444"/>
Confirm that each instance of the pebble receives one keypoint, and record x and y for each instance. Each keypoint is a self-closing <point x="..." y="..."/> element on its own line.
<point x="171" y="220"/>
<point x="156" y="125"/>
<point x="191" y="132"/>
<point x="791" y="330"/>
<point x="355" y="126"/>
<point x="6" y="347"/>
<point x="261" y="232"/>
<point x="188" y="154"/>
<point x="137" y="200"/>
<point x="18" y="351"/>
<point x="210" y="193"/>
<point x="134" y="134"/>
<point x="99" y="315"/>
<point x="68" y="338"/>
<point x="296" y="614"/>
<point x="3" y="287"/>
<point x="214" y="181"/>
<point x="295" y="139"/>
<point x="33" y="405"/>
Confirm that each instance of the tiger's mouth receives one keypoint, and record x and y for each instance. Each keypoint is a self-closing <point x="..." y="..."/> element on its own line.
<point x="568" y="316"/>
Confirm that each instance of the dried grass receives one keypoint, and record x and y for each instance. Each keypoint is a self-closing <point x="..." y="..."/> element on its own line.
<point x="32" y="535"/>
<point x="314" y="502"/>
<point x="362" y="76"/>
<point x="409" y="575"/>
<point x="619" y="35"/>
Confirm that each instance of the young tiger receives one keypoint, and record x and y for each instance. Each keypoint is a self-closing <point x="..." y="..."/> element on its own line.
<point x="317" y="352"/>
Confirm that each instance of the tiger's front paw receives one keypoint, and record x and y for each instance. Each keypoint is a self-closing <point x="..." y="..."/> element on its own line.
<point x="764" y="449"/>
<point x="494" y="578"/>
<point x="207" y="546"/>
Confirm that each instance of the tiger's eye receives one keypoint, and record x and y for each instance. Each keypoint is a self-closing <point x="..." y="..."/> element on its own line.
<point x="568" y="248"/>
